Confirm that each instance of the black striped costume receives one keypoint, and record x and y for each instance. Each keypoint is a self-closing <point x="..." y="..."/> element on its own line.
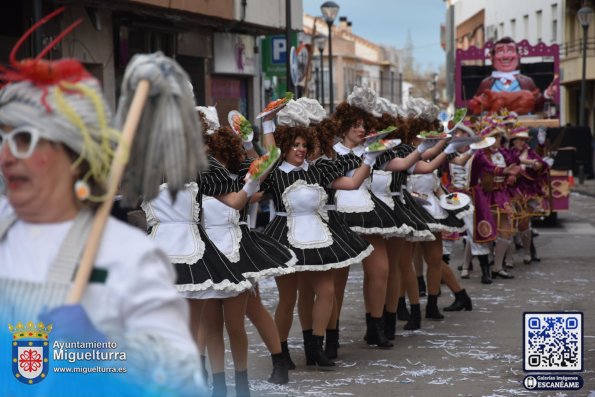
<point x="337" y="248"/>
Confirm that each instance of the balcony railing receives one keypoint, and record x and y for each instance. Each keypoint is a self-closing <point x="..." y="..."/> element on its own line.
<point x="575" y="48"/>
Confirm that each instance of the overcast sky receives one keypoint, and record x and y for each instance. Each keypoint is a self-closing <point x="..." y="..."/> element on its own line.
<point x="387" y="22"/>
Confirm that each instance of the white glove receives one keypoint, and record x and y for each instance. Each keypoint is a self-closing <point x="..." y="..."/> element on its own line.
<point x="370" y="158"/>
<point x="549" y="161"/>
<point x="248" y="145"/>
<point x="454" y="146"/>
<point x="268" y="127"/>
<point x="426" y="144"/>
<point x="541" y="135"/>
<point x="251" y="186"/>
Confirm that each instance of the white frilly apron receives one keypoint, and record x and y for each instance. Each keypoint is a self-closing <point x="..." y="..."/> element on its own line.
<point x="305" y="205"/>
<point x="174" y="224"/>
<point x="426" y="185"/>
<point x="355" y="200"/>
<point x="380" y="187"/>
<point x="222" y="225"/>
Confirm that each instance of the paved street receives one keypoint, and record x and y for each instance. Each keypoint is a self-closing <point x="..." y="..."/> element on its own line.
<point x="474" y="353"/>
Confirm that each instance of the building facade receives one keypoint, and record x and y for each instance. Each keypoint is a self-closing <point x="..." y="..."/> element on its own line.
<point x="214" y="41"/>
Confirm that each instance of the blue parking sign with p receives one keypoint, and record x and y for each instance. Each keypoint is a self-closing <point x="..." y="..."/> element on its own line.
<point x="279" y="49"/>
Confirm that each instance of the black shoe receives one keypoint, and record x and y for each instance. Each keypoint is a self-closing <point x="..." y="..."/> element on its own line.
<point x="414" y="319"/>
<point x="535" y="259"/>
<point x="376" y="334"/>
<point x="432" y="311"/>
<point x="460" y="267"/>
<point x="389" y="321"/>
<point x="462" y="301"/>
<point x="446" y="259"/>
<point x="242" y="385"/>
<point x="421" y="284"/>
<point x="502" y="274"/>
<point x="332" y="343"/>
<point x="285" y="351"/>
<point x="314" y="353"/>
<point x="219" y="386"/>
<point x="486" y="276"/>
<point x="402" y="312"/>
<point x="280" y="375"/>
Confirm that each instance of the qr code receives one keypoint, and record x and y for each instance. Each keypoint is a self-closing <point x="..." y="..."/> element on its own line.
<point x="553" y="341"/>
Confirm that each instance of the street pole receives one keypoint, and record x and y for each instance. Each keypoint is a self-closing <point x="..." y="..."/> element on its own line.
<point x="392" y="86"/>
<point x="400" y="88"/>
<point x="317" y="77"/>
<point x="321" y="49"/>
<point x="581" y="109"/>
<point x="330" y="67"/>
<point x="288" y="45"/>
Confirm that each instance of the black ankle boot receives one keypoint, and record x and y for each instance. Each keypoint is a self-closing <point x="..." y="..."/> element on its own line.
<point x="376" y="334"/>
<point x="219" y="386"/>
<point x="432" y="311"/>
<point x="421" y="284"/>
<point x="310" y="359"/>
<point x="332" y="343"/>
<point x="390" y="324"/>
<point x="280" y="375"/>
<point x="242" y="385"/>
<point x="462" y="301"/>
<point x="414" y="319"/>
<point x="285" y="351"/>
<point x="314" y="353"/>
<point x="534" y="257"/>
<point x="402" y="312"/>
<point x="446" y="258"/>
<point x="486" y="273"/>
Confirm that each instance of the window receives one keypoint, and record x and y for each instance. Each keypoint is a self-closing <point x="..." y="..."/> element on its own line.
<point x="513" y="28"/>
<point x="554" y="23"/>
<point x="538" y="15"/>
<point x="501" y="30"/>
<point x="526" y="27"/>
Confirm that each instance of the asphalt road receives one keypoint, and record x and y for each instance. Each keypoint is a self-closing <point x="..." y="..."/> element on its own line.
<point x="476" y="353"/>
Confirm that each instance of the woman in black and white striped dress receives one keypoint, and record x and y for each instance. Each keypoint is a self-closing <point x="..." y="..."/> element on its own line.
<point x="301" y="222"/>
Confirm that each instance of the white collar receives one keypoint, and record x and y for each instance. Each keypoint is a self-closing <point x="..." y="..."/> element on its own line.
<point x="287" y="168"/>
<point x="505" y="75"/>
<point x="343" y="150"/>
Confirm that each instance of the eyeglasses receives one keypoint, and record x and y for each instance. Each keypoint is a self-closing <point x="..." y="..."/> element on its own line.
<point x="21" y="141"/>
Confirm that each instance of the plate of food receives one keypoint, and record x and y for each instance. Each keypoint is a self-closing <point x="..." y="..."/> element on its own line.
<point x="457" y="118"/>
<point x="484" y="143"/>
<point x="375" y="135"/>
<point x="382" y="145"/>
<point x="275" y="105"/>
<point x="433" y="135"/>
<point x="454" y="201"/>
<point x="240" y="125"/>
<point x="264" y="163"/>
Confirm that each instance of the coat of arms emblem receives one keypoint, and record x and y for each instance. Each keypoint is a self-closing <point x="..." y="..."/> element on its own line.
<point x="30" y="351"/>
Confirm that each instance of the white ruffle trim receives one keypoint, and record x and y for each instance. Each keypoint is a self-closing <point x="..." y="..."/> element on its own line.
<point x="421" y="235"/>
<point x="321" y="211"/>
<point x="224" y="285"/>
<point x="383" y="231"/>
<point x="267" y="273"/>
<point x="338" y="265"/>
<point x="447" y="229"/>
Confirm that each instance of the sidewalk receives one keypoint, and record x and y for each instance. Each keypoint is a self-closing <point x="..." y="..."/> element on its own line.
<point x="587" y="188"/>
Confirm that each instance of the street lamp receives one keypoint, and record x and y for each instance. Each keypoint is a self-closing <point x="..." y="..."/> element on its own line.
<point x="319" y="39"/>
<point x="584" y="15"/>
<point x="330" y="9"/>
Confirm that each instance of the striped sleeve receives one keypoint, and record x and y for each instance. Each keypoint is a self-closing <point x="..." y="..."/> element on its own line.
<point x="216" y="180"/>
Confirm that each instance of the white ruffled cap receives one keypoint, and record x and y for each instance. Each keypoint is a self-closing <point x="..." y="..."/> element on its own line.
<point x="423" y="108"/>
<point x="313" y="108"/>
<point x="210" y="115"/>
<point x="293" y="115"/>
<point x="363" y="98"/>
<point x="383" y="105"/>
